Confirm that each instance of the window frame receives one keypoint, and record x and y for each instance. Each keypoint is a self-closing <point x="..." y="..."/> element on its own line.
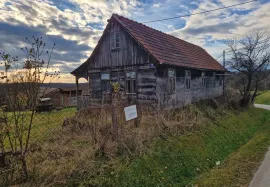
<point x="172" y="81"/>
<point x="105" y="81"/>
<point x="133" y="83"/>
<point x="203" y="80"/>
<point x="115" y="39"/>
<point x="214" y="80"/>
<point x="220" y="80"/>
<point x="188" y="80"/>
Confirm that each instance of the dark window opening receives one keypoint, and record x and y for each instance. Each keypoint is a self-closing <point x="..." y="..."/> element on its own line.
<point x="220" y="80"/>
<point x="180" y="72"/>
<point x="187" y="79"/>
<point x="203" y="82"/>
<point x="188" y="83"/>
<point x="131" y="86"/>
<point x="195" y="73"/>
<point x="105" y="86"/>
<point x="161" y="71"/>
<point x="117" y="40"/>
<point x="105" y="82"/>
<point x="171" y="85"/>
<point x="131" y="83"/>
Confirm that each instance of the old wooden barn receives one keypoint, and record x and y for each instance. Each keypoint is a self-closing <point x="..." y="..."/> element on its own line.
<point x="151" y="66"/>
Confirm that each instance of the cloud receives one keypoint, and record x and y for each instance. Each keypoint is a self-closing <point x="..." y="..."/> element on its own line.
<point x="223" y="25"/>
<point x="156" y="5"/>
<point x="76" y="25"/>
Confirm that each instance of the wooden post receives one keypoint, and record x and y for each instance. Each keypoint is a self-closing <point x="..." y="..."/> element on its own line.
<point x="114" y="114"/>
<point x="77" y="92"/>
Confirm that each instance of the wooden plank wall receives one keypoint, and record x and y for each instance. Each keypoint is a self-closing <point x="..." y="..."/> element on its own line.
<point x="182" y="96"/>
<point x="95" y="85"/>
<point x="146" y="85"/>
<point x="130" y="53"/>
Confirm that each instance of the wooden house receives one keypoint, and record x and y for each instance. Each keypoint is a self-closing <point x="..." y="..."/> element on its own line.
<point x="151" y="66"/>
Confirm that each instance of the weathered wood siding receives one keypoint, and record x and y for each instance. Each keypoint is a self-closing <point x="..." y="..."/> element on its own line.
<point x="182" y="96"/>
<point x="128" y="54"/>
<point x="145" y="82"/>
<point x="146" y="85"/>
<point x="95" y="84"/>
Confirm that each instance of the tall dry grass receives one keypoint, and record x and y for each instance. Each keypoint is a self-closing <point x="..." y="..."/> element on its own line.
<point x="85" y="151"/>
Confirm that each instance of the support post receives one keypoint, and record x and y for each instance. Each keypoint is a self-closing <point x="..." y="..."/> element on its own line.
<point x="224" y="73"/>
<point x="77" y="92"/>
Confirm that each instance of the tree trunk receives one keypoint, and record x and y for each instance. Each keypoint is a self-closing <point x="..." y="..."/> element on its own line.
<point x="254" y="95"/>
<point x="245" y="101"/>
<point x="24" y="168"/>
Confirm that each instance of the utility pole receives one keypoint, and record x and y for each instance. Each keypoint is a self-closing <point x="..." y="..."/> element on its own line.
<point x="224" y="72"/>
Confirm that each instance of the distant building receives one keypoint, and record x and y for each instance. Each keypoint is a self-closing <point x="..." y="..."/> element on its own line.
<point x="63" y="97"/>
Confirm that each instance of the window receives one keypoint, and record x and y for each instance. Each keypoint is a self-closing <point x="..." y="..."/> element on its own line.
<point x="214" y="80"/>
<point x="203" y="80"/>
<point x="131" y="82"/>
<point x="187" y="83"/>
<point x="105" y="82"/>
<point x="220" y="80"/>
<point x="171" y="80"/>
<point x="187" y="79"/>
<point x="115" y="40"/>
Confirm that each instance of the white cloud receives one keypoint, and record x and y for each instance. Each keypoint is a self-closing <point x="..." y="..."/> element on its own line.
<point x="157" y="5"/>
<point x="222" y="25"/>
<point x="70" y="23"/>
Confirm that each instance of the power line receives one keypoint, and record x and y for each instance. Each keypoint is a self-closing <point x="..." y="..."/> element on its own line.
<point x="219" y="56"/>
<point x="186" y="15"/>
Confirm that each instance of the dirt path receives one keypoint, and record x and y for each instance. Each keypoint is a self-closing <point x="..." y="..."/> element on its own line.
<point x="267" y="107"/>
<point x="262" y="176"/>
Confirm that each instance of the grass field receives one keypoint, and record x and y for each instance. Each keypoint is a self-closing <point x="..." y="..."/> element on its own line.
<point x="178" y="161"/>
<point x="263" y="98"/>
<point x="46" y="122"/>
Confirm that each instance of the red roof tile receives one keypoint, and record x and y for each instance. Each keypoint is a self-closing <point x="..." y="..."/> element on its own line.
<point x="169" y="49"/>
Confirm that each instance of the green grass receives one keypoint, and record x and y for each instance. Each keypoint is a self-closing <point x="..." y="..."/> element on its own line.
<point x="46" y="122"/>
<point x="263" y="98"/>
<point x="238" y="169"/>
<point x="178" y="161"/>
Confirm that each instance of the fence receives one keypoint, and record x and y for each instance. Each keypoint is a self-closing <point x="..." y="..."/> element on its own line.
<point x="72" y="101"/>
<point x="66" y="142"/>
<point x="14" y="128"/>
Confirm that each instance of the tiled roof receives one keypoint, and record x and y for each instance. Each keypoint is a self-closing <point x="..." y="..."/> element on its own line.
<point x="169" y="49"/>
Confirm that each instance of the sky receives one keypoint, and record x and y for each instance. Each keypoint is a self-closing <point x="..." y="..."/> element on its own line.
<point x="76" y="25"/>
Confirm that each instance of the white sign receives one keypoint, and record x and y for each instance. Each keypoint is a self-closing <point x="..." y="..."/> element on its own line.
<point x="130" y="112"/>
<point x="105" y="76"/>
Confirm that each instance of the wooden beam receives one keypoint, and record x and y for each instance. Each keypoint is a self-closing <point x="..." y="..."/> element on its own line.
<point x="77" y="91"/>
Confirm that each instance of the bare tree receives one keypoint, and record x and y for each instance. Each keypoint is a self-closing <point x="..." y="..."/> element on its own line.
<point x="23" y="83"/>
<point x="251" y="58"/>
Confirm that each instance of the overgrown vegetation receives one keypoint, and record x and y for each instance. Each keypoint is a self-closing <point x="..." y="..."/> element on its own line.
<point x="169" y="150"/>
<point x="23" y="79"/>
<point x="264" y="98"/>
<point x="177" y="161"/>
